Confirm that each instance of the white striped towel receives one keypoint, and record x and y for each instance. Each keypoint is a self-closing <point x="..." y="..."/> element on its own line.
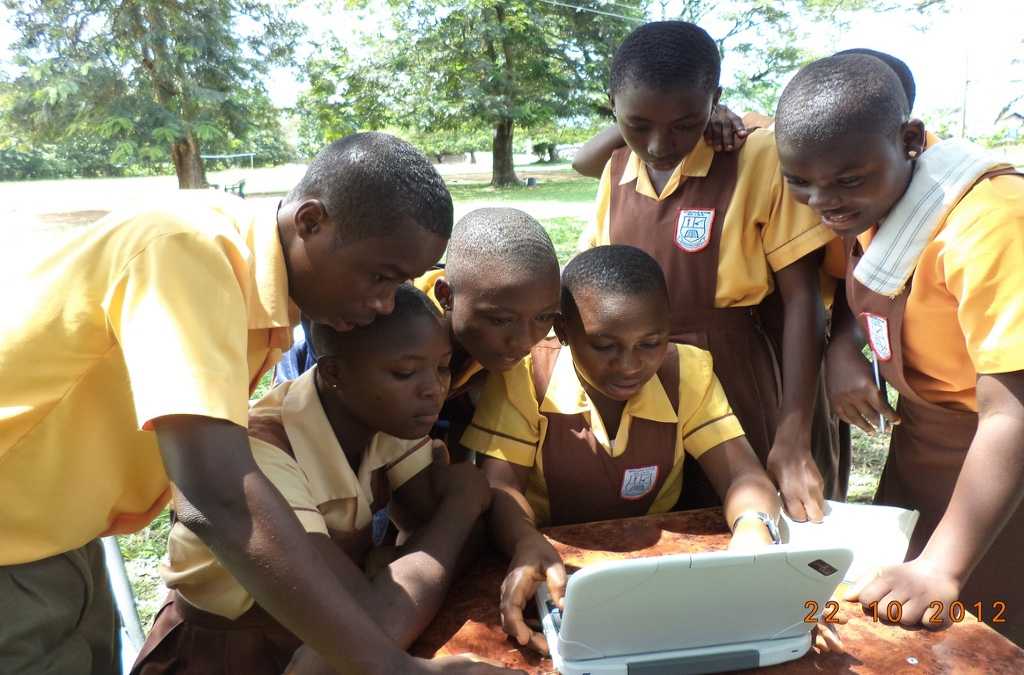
<point x="942" y="176"/>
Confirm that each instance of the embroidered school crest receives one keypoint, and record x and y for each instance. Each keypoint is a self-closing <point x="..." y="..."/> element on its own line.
<point x="878" y="335"/>
<point x="639" y="481"/>
<point x="693" y="229"/>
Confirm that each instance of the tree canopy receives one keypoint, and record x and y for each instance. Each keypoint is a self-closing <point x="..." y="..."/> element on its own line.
<point x="155" y="78"/>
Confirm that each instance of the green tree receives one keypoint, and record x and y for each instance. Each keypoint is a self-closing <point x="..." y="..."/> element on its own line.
<point x="151" y="75"/>
<point x="502" y="64"/>
<point x="345" y="95"/>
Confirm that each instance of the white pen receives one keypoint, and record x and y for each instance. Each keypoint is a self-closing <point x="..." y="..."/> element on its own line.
<point x="878" y="383"/>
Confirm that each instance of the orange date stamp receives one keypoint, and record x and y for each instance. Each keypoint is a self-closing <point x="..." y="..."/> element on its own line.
<point x="936" y="614"/>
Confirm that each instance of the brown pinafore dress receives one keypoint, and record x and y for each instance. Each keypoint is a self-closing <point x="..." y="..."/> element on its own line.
<point x="926" y="453"/>
<point x="186" y="640"/>
<point x="584" y="482"/>
<point x="746" y="360"/>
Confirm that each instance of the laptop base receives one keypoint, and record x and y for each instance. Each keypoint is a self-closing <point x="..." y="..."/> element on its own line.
<point x="690" y="661"/>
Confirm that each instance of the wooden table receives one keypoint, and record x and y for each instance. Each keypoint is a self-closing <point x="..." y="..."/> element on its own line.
<point x="469" y="620"/>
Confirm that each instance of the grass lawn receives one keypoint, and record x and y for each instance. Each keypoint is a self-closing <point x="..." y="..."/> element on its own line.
<point x="563" y="202"/>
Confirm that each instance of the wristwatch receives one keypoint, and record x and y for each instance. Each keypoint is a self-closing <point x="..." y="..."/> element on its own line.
<point x="769" y="522"/>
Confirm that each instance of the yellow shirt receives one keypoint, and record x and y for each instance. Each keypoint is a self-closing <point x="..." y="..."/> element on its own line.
<point x="965" y="312"/>
<point x="509" y="424"/>
<point x="174" y="310"/>
<point x="327" y="496"/>
<point x="425" y="283"/>
<point x="764" y="229"/>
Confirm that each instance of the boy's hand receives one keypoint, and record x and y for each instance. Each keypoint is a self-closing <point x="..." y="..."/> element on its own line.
<point x="912" y="586"/>
<point x="826" y="636"/>
<point x="750" y="535"/>
<point x="799" y="481"/>
<point x="466" y="484"/>
<point x="725" y="131"/>
<point x="305" y="661"/>
<point x="852" y="390"/>
<point x="535" y="561"/>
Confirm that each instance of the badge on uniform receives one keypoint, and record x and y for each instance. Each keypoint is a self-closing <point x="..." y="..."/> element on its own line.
<point x="638" y="482"/>
<point x="878" y="335"/>
<point x="693" y="229"/>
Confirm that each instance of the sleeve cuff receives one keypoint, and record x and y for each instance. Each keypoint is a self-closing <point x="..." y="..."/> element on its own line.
<point x="410" y="465"/>
<point x="312" y="521"/>
<point x="505" y="448"/>
<point x="233" y="407"/>
<point x="712" y="433"/>
<point x="1009" y="358"/>
<point x="806" y="242"/>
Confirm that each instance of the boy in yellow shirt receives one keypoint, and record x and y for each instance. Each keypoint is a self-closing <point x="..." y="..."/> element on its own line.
<point x="597" y="426"/>
<point x="342" y="442"/>
<point x="499" y="290"/>
<point x="158" y="324"/>
<point x="935" y="267"/>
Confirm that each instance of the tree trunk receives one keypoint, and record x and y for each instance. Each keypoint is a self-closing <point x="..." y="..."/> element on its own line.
<point x="553" y="153"/>
<point x="188" y="165"/>
<point x="472" y="156"/>
<point x="503" y="172"/>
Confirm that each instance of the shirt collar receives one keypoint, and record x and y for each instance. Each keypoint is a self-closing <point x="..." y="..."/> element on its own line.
<point x="694" y="165"/>
<point x="317" y="449"/>
<point x="269" y="306"/>
<point x="566" y="395"/>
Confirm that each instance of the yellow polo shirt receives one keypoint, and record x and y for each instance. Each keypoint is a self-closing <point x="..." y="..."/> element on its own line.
<point x="965" y="312"/>
<point x="510" y="426"/>
<point x="327" y="496"/>
<point x="174" y="310"/>
<point x="764" y="229"/>
<point x="425" y="283"/>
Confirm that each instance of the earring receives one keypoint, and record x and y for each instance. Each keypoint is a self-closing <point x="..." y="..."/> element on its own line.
<point x="912" y="154"/>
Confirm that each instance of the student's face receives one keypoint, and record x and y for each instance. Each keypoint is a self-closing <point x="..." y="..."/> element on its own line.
<point x="662" y="127"/>
<point x="855" y="181"/>
<point x="498" y="318"/>
<point x="345" y="284"/>
<point x="618" y="341"/>
<point x="398" y="382"/>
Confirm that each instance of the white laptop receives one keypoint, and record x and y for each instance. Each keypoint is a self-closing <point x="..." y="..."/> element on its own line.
<point x="691" y="613"/>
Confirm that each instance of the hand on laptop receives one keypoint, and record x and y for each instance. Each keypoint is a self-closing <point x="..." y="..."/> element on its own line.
<point x="794" y="471"/>
<point x="535" y="561"/>
<point x="907" y="593"/>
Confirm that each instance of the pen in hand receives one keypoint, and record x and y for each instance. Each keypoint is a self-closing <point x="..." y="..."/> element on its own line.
<point x="878" y="383"/>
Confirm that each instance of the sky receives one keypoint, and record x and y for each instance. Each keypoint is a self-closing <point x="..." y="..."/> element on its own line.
<point x="972" y="44"/>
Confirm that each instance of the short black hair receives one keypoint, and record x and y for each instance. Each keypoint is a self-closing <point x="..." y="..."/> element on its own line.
<point x="666" y="54"/>
<point x="837" y="96"/>
<point x="901" y="69"/>
<point x="372" y="183"/>
<point x="410" y="303"/>
<point x="615" y="269"/>
<point x="497" y="239"/>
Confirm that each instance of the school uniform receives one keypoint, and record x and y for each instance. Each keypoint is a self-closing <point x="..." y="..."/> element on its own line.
<point x="539" y="415"/>
<point x="175" y="310"/>
<point x="949" y="311"/>
<point x="720" y="228"/>
<point x="209" y="622"/>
